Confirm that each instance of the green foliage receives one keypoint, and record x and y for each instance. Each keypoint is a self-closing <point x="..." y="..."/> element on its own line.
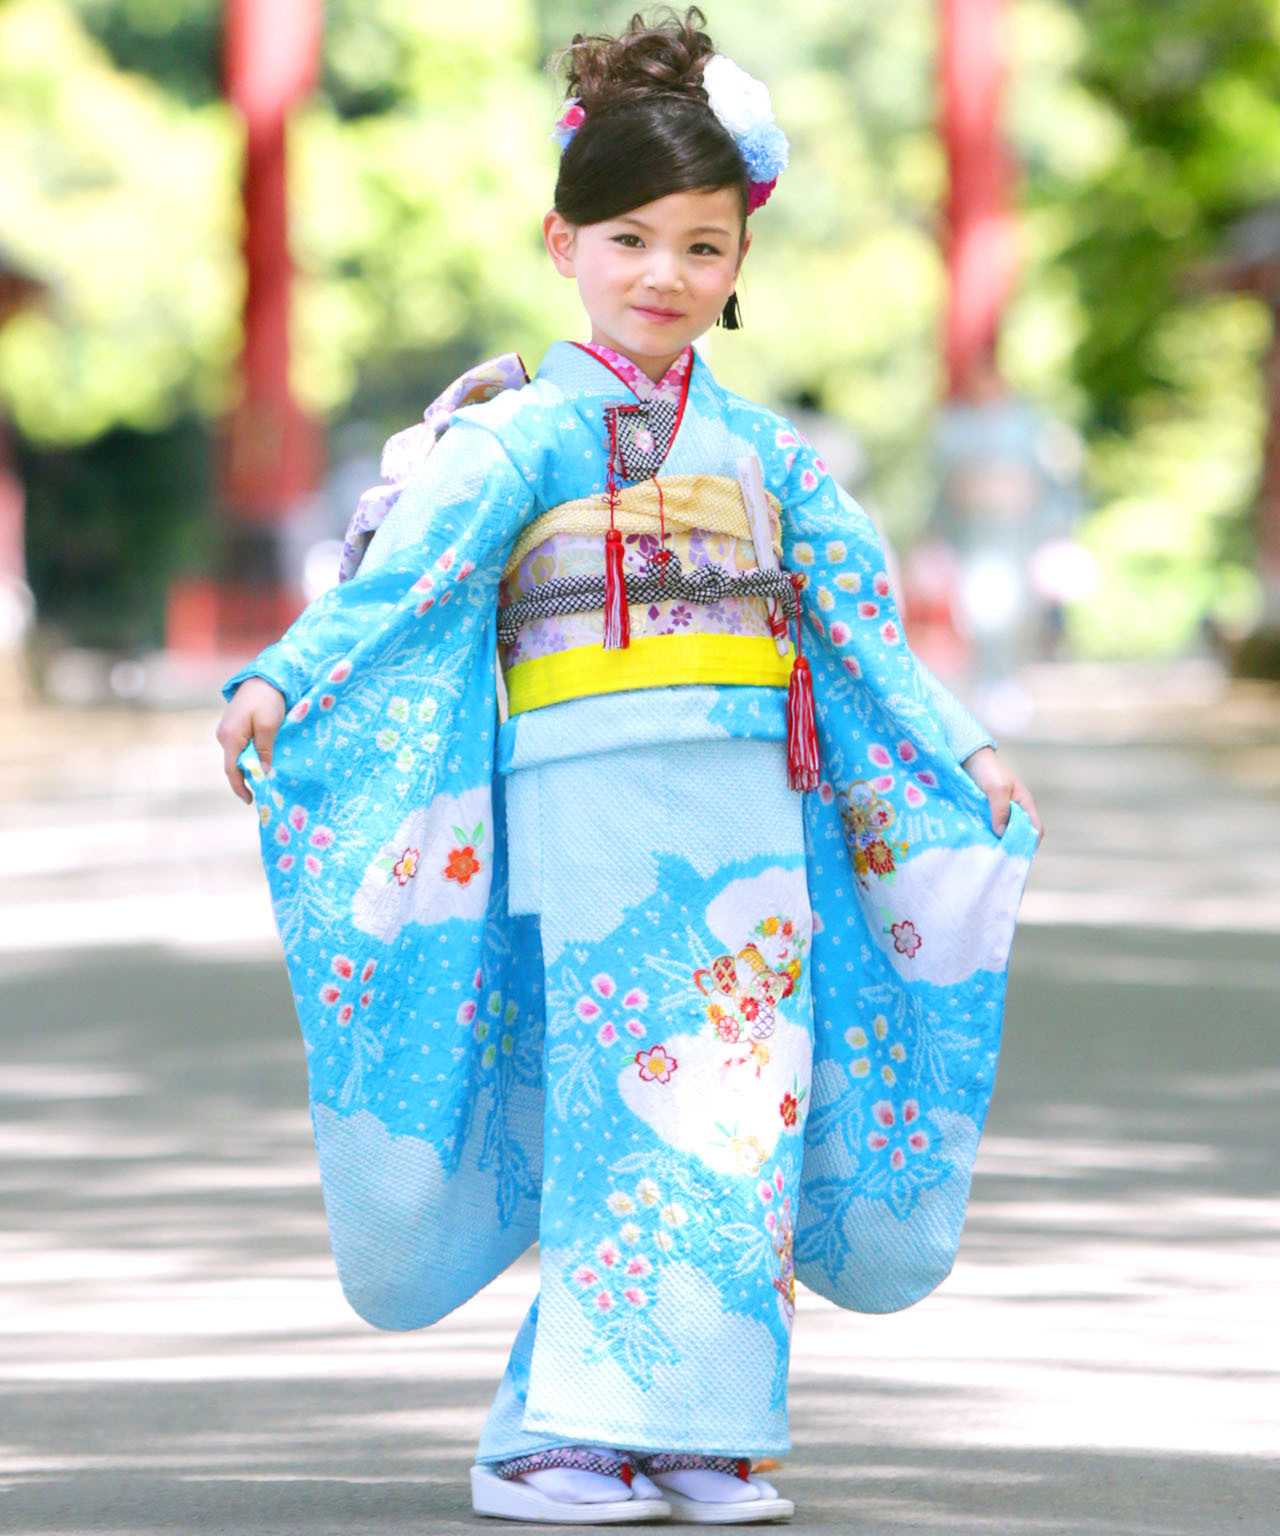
<point x="421" y="168"/>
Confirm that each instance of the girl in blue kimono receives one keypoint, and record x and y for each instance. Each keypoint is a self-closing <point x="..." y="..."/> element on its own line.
<point x="683" y="953"/>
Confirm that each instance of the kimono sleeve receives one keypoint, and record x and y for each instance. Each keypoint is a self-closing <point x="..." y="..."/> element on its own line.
<point x="468" y="495"/>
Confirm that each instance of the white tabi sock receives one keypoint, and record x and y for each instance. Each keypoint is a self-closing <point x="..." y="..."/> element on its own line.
<point x="710" y="1487"/>
<point x="575" y="1485"/>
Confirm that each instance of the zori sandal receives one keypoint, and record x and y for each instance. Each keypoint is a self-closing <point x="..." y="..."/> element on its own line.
<point x="716" y="1490"/>
<point x="568" y="1485"/>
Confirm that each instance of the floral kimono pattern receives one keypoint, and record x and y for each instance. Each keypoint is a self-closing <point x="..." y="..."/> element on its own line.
<point x="458" y="1018"/>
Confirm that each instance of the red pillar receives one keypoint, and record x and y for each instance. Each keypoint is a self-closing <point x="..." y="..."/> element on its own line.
<point x="272" y="450"/>
<point x="979" y="241"/>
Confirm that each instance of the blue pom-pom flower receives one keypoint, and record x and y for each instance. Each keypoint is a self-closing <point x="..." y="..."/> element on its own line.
<point x="764" y="148"/>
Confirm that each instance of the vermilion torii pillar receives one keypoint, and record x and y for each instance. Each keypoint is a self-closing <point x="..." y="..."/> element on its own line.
<point x="272" y="454"/>
<point x="979" y="240"/>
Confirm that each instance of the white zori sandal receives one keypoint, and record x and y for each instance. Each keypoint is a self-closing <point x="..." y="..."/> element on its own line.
<point x="568" y="1485"/>
<point x="715" y="1490"/>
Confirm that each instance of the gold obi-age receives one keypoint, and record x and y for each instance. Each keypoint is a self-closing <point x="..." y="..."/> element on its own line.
<point x="673" y="641"/>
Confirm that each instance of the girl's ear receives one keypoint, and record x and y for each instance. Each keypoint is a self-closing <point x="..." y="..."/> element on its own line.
<point x="560" y="238"/>
<point x="742" y="254"/>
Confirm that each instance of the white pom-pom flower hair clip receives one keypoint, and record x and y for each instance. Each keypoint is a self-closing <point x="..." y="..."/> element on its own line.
<point x="741" y="102"/>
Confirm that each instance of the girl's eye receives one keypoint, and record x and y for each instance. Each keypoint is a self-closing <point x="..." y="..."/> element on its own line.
<point x="702" y="248"/>
<point x="632" y="242"/>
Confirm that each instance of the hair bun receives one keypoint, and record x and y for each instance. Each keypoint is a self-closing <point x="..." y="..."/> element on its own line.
<point x="664" y="56"/>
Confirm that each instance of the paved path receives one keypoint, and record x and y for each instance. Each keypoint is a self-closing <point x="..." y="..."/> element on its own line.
<point x="174" y="1352"/>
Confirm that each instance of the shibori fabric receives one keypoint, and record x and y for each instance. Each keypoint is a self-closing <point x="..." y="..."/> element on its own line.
<point x="671" y="888"/>
<point x="422" y="999"/>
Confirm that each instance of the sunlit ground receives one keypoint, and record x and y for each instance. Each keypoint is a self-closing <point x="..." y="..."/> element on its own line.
<point x="175" y="1353"/>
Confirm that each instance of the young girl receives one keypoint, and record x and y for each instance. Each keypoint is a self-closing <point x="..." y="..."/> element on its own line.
<point x="691" y="964"/>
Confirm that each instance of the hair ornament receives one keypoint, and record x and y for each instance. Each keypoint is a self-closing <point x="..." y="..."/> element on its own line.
<point x="742" y="104"/>
<point x="572" y="116"/>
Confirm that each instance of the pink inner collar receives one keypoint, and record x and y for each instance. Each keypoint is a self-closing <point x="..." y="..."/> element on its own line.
<point x="669" y="387"/>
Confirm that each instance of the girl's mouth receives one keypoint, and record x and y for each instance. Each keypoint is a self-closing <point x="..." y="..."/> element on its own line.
<point x="661" y="316"/>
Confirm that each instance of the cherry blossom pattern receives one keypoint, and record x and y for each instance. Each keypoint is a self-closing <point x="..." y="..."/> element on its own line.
<point x="790" y="1105"/>
<point x="881" y="1055"/>
<point x="296" y="841"/>
<point x="347" y="991"/>
<point x="613" y="1012"/>
<point x="656" y="1065"/>
<point x="615" y="1278"/>
<point x="780" y="1225"/>
<point x="904" y="1163"/>
<point x="406" y="866"/>
<point x="905" y="938"/>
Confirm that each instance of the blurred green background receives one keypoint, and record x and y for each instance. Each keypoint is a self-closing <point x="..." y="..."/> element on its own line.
<point x="421" y="169"/>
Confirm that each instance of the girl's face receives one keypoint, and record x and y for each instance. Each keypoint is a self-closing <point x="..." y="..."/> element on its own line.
<point x="656" y="278"/>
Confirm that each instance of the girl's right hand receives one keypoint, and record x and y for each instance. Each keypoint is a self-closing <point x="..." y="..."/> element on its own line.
<point x="254" y="713"/>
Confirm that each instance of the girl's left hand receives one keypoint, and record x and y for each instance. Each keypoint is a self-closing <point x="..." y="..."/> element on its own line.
<point x="1000" y="787"/>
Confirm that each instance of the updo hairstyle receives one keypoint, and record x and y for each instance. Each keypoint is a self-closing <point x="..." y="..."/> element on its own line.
<point x="649" y="129"/>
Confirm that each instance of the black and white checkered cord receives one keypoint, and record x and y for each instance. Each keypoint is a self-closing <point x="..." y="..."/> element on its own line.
<point x="607" y="1463"/>
<point x="655" y="584"/>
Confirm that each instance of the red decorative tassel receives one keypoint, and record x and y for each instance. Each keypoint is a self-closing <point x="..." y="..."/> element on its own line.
<point x="617" y="619"/>
<point x="804" y="762"/>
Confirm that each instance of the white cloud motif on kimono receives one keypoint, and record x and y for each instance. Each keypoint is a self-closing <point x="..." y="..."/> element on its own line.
<point x="970" y="895"/>
<point x="438" y="866"/>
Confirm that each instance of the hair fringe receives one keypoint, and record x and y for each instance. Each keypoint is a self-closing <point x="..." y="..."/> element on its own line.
<point x="660" y="55"/>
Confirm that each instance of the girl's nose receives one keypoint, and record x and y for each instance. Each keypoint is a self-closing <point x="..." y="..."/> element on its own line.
<point x="664" y="271"/>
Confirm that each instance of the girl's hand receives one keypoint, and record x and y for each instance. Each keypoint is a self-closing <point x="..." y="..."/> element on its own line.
<point x="254" y="714"/>
<point x="1000" y="787"/>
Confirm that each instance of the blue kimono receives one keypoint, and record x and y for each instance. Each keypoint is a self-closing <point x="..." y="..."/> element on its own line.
<point x="594" y="975"/>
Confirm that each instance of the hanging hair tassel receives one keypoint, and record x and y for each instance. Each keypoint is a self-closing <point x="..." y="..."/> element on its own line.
<point x="804" y="762"/>
<point x="617" y="616"/>
<point x="731" y="314"/>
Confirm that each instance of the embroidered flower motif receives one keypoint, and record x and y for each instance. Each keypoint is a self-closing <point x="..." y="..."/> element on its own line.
<point x="630" y="1233"/>
<point x="861" y="1066"/>
<point x="905" y="939"/>
<point x="406" y="866"/>
<point x="648" y="1193"/>
<point x="637" y="1264"/>
<point x="604" y="1301"/>
<point x="879" y="857"/>
<point x="884" y="1116"/>
<point x="462" y="865"/>
<point x="607" y="1254"/>
<point x="585" y="1275"/>
<point x="656" y="1066"/>
<point x="680" y="616"/>
<point x="620" y="1203"/>
<point x="635" y="1295"/>
<point x="674" y="1215"/>
<point x="789" y="1109"/>
<point x="664" y="1240"/>
<point x="343" y="967"/>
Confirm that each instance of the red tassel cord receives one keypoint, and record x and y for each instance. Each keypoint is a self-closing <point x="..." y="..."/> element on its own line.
<point x="803" y="760"/>
<point x="617" y="617"/>
<point x="664" y="554"/>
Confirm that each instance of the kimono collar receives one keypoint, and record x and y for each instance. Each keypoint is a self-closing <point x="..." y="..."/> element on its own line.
<point x="669" y="387"/>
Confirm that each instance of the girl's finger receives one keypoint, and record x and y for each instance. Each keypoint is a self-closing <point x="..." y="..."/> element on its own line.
<point x="999" y="795"/>
<point x="263" y="740"/>
<point x="1026" y="800"/>
<point x="232" y="747"/>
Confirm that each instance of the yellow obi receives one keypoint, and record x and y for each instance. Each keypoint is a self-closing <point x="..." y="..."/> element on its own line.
<point x="674" y="641"/>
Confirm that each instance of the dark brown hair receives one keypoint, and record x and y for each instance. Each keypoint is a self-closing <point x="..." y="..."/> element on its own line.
<point x="649" y="130"/>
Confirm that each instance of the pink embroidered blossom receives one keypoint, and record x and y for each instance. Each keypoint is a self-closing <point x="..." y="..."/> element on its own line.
<point x="367" y="973"/>
<point x="853" y="666"/>
<point x="604" y="985"/>
<point x="341" y="672"/>
<point x="635" y="998"/>
<point x="345" y="1013"/>
<point x="282" y="834"/>
<point x="604" y="1301"/>
<point x="907" y="752"/>
<point x="311" y="864"/>
<point x="656" y="1066"/>
<point x="879" y="756"/>
<point x="343" y="967"/>
<point x="445" y="559"/>
<point x="635" y="1027"/>
<point x="285" y="862"/>
<point x="587" y="1010"/>
<point x="300" y="710"/>
<point x="322" y="837"/>
<point x="868" y="610"/>
<point x="606" y="1034"/>
<point x="765" y="1190"/>
<point x="608" y="1254"/>
<point x="638" y="1265"/>
<point x="585" y="1275"/>
<point x="329" y="994"/>
<point x="880" y="584"/>
<point x="841" y="634"/>
<point x="889" y="632"/>
<point x="466" y="1014"/>
<point x="327" y="701"/>
<point x="905" y="939"/>
<point x="635" y="1295"/>
<point x="365" y="999"/>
